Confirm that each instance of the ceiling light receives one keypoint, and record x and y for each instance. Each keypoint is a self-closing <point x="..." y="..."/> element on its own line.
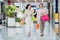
<point x="42" y="0"/>
<point x="26" y="0"/>
<point x="35" y="0"/>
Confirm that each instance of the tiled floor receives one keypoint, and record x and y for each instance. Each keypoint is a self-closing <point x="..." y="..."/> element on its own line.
<point x="19" y="34"/>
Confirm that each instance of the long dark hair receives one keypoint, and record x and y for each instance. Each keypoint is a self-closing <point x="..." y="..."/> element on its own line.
<point x="27" y="6"/>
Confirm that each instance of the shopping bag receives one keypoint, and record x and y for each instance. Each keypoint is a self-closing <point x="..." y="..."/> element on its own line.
<point x="37" y="26"/>
<point x="33" y="18"/>
<point x="45" y="18"/>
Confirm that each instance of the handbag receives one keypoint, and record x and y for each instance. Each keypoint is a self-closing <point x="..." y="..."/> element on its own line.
<point x="37" y="26"/>
<point x="33" y="18"/>
<point x="45" y="18"/>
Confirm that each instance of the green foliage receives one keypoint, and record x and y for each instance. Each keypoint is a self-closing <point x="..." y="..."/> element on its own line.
<point x="17" y="19"/>
<point x="10" y="10"/>
<point x="23" y="11"/>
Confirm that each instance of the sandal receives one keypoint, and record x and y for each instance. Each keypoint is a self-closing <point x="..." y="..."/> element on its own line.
<point x="29" y="34"/>
<point x="42" y="34"/>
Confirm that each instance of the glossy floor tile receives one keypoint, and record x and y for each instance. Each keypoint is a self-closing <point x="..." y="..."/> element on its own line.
<point x="19" y="33"/>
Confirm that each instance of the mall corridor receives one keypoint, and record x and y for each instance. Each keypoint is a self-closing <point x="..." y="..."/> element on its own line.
<point x="16" y="14"/>
<point x="19" y="34"/>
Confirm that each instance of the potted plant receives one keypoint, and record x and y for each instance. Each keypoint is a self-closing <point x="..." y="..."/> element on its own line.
<point x="23" y="11"/>
<point x="17" y="22"/>
<point x="22" y="21"/>
<point x="10" y="11"/>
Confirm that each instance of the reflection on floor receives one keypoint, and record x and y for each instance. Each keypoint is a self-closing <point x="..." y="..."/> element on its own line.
<point x="19" y="34"/>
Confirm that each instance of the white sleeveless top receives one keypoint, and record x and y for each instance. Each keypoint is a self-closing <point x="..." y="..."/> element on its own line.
<point x="28" y="13"/>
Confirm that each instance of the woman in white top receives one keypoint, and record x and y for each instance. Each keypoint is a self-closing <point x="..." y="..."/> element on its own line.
<point x="28" y="19"/>
<point x="40" y="13"/>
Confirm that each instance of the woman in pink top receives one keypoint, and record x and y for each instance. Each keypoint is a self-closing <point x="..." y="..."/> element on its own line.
<point x="40" y="13"/>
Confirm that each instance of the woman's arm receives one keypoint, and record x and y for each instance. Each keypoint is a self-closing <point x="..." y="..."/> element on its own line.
<point x="46" y="11"/>
<point x="34" y="13"/>
<point x="38" y="16"/>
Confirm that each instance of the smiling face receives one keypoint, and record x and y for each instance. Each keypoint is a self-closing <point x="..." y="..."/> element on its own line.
<point x="29" y="7"/>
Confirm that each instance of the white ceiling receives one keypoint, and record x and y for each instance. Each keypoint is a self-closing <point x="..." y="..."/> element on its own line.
<point x="29" y="0"/>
